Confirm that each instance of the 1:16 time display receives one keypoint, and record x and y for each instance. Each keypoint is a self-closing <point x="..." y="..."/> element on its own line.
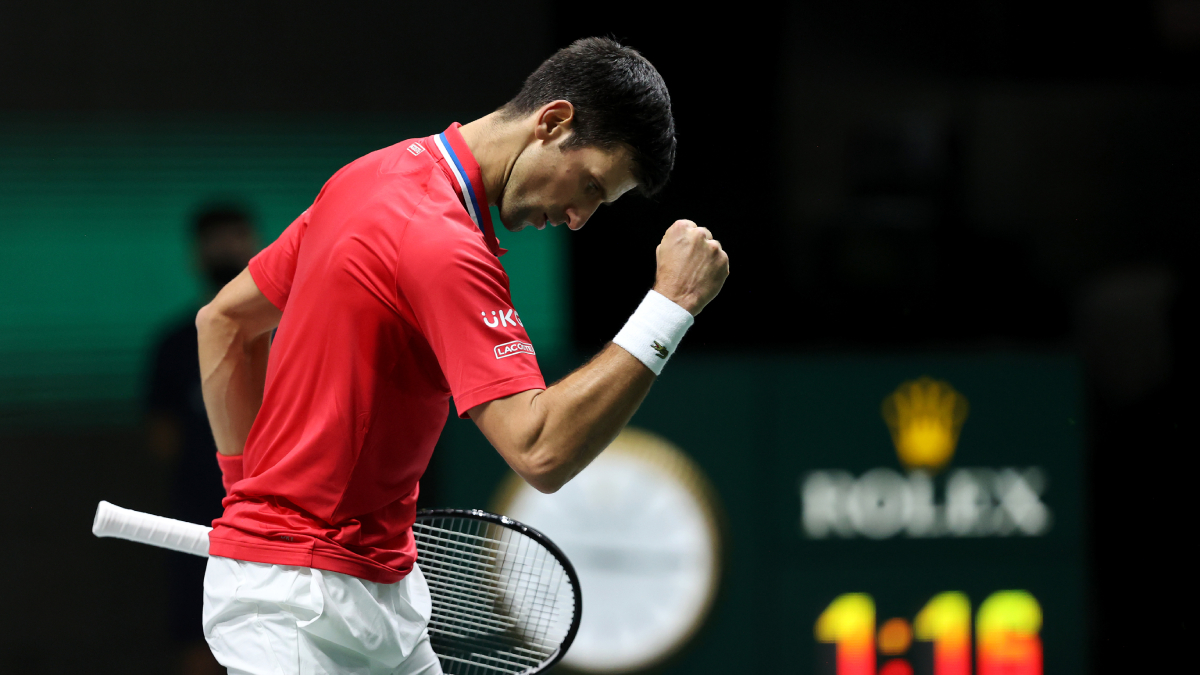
<point x="938" y="642"/>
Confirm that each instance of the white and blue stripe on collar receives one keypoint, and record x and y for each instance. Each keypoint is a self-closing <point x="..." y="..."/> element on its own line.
<point x="474" y="208"/>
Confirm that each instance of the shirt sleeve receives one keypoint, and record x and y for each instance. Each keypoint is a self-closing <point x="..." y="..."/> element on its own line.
<point x="275" y="266"/>
<point x="459" y="295"/>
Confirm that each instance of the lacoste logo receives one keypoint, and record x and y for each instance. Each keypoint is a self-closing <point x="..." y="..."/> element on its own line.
<point x="663" y="352"/>
<point x="416" y="149"/>
<point x="515" y="347"/>
<point x="502" y="319"/>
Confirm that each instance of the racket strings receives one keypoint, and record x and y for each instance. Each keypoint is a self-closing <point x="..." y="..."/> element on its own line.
<point x="501" y="601"/>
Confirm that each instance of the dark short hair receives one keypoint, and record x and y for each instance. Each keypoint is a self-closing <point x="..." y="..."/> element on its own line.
<point x="619" y="100"/>
<point x="211" y="217"/>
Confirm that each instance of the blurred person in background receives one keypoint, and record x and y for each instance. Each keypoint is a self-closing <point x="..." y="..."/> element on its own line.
<point x="177" y="431"/>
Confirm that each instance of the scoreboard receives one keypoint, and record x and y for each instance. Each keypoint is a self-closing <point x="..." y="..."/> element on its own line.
<point x="880" y="516"/>
<point x="939" y="515"/>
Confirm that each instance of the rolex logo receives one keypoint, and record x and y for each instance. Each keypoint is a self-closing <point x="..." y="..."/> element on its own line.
<point x="925" y="416"/>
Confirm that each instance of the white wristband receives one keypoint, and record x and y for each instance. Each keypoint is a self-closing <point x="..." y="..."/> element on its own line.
<point x="654" y="330"/>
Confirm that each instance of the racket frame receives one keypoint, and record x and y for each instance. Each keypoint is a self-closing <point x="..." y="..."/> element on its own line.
<point x="541" y="539"/>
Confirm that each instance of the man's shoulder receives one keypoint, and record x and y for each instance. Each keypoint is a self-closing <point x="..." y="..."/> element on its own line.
<point x="403" y="189"/>
<point x="398" y="177"/>
<point x="407" y="169"/>
<point x="408" y="159"/>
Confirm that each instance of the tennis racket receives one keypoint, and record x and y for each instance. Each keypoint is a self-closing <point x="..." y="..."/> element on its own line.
<point x="505" y="598"/>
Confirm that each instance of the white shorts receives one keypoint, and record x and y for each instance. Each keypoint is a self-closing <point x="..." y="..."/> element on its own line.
<point x="264" y="619"/>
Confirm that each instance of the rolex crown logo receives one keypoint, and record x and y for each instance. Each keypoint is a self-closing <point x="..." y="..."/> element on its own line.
<point x="925" y="416"/>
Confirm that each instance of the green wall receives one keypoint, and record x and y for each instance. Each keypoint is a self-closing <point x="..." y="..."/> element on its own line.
<point x="94" y="256"/>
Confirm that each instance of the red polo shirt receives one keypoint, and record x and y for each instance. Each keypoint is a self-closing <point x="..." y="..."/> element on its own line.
<point x="393" y="301"/>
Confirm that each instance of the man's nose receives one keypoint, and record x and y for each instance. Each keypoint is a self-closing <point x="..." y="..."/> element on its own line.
<point x="577" y="217"/>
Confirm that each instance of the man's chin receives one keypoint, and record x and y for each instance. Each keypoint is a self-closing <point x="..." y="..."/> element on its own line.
<point x="513" y="226"/>
<point x="513" y="222"/>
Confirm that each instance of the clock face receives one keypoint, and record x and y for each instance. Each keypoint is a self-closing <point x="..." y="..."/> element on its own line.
<point x="639" y="526"/>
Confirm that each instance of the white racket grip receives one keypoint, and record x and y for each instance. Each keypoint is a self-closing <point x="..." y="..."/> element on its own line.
<point x="144" y="528"/>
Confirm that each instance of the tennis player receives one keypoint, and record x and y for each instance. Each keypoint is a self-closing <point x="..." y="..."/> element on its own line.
<point x="389" y="299"/>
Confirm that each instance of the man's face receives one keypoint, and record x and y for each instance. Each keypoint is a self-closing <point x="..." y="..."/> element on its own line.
<point x="552" y="186"/>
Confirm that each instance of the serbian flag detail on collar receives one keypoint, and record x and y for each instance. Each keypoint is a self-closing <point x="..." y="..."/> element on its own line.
<point x="470" y="182"/>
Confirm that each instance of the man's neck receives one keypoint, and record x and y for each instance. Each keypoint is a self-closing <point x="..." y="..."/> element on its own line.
<point x="495" y="144"/>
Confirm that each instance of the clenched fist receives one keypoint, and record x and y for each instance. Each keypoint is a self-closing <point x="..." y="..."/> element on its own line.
<point x="692" y="267"/>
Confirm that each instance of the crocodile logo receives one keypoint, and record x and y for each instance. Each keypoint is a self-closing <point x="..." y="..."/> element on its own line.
<point x="661" y="350"/>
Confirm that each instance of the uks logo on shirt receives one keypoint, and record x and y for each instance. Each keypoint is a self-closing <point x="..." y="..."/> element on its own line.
<point x="515" y="347"/>
<point x="924" y="417"/>
<point x="502" y="319"/>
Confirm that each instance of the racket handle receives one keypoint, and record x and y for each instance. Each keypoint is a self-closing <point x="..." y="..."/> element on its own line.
<point x="114" y="521"/>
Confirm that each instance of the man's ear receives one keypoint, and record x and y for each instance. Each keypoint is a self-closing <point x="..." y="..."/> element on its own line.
<point x="554" y="121"/>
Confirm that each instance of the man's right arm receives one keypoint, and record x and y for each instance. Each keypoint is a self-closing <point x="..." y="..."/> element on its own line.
<point x="234" y="332"/>
<point x="548" y="436"/>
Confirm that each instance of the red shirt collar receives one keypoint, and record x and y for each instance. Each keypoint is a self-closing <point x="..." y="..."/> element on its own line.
<point x="465" y="173"/>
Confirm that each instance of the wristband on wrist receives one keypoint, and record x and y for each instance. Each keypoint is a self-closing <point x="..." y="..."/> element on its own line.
<point x="231" y="470"/>
<point x="654" y="330"/>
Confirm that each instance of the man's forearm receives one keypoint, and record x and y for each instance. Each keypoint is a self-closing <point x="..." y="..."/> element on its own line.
<point x="233" y="369"/>
<point x="548" y="436"/>
<point x="585" y="411"/>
